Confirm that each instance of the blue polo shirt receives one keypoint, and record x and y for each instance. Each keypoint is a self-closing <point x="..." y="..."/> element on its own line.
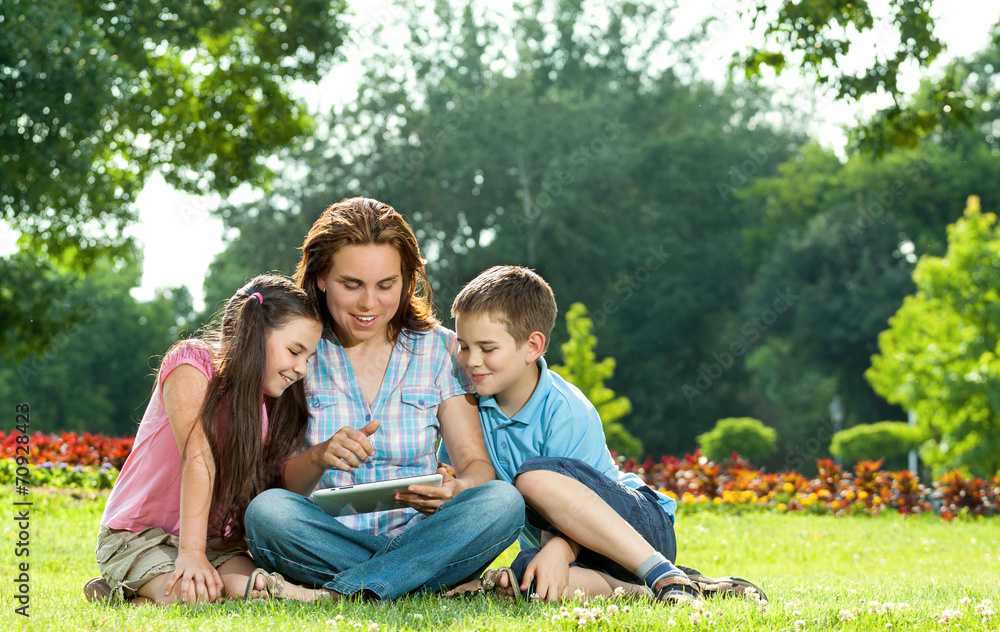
<point x="558" y="421"/>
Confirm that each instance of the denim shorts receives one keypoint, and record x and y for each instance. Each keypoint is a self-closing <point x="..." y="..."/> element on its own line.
<point x="639" y="507"/>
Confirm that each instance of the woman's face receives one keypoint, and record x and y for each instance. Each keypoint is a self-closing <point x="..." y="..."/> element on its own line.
<point x="363" y="290"/>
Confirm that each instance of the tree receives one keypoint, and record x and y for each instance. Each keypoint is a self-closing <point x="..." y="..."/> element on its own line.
<point x="568" y="152"/>
<point x="97" y="372"/>
<point x="581" y="368"/>
<point x="939" y="356"/>
<point x="98" y="95"/>
<point x="817" y="36"/>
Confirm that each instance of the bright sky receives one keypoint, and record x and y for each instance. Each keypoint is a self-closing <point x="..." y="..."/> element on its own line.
<point x="180" y="237"/>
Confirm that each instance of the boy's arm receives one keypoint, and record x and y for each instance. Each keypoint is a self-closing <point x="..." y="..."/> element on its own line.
<point x="462" y="435"/>
<point x="183" y="395"/>
<point x="549" y="569"/>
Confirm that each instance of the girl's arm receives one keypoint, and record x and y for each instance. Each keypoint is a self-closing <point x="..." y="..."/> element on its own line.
<point x="183" y="395"/>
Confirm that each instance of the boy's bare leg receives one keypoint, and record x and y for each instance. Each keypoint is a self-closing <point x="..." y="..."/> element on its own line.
<point x="581" y="515"/>
<point x="592" y="583"/>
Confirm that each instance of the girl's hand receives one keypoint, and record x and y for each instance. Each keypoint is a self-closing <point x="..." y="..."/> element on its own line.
<point x="427" y="498"/>
<point x="550" y="571"/>
<point x="348" y="448"/>
<point x="199" y="581"/>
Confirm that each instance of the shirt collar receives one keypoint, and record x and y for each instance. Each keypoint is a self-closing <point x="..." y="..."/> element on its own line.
<point x="532" y="408"/>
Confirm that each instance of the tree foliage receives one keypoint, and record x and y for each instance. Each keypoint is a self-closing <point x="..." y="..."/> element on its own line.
<point x="566" y="151"/>
<point x="97" y="372"/>
<point x="98" y="95"/>
<point x="817" y="35"/>
<point x="581" y="368"/>
<point x="939" y="355"/>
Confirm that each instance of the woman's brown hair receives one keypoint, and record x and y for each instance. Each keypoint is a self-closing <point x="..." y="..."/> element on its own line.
<point x="362" y="221"/>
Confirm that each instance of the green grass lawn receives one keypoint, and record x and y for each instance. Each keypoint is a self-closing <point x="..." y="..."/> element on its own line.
<point x="820" y="572"/>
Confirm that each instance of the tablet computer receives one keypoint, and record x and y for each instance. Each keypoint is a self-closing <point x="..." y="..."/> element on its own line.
<point x="368" y="497"/>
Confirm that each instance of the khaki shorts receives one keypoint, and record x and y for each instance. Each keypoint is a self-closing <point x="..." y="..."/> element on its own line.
<point x="128" y="560"/>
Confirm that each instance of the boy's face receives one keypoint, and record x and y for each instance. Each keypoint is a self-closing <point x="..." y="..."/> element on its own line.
<point x="495" y="363"/>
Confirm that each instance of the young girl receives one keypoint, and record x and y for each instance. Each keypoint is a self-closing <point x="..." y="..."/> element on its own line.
<point x="227" y="410"/>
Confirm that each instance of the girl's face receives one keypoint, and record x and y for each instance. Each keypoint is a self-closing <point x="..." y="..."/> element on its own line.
<point x="289" y="347"/>
<point x="363" y="291"/>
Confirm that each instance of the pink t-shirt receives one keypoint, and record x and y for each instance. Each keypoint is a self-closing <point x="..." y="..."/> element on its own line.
<point x="148" y="490"/>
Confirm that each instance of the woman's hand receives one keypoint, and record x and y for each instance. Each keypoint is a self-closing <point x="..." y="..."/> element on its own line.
<point x="199" y="581"/>
<point x="348" y="448"/>
<point x="428" y="498"/>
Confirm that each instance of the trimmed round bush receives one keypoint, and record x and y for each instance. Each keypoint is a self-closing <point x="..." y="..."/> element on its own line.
<point x="746" y="436"/>
<point x="887" y="440"/>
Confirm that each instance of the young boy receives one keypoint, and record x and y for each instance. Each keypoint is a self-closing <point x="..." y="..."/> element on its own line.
<point x="590" y="527"/>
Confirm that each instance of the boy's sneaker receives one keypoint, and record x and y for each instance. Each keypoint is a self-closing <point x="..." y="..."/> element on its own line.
<point x="723" y="587"/>
<point x="675" y="589"/>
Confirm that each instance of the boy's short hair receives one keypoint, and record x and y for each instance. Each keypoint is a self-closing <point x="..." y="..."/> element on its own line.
<point x="517" y="298"/>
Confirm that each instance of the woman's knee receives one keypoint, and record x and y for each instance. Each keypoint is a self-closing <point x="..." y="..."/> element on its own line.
<point x="268" y="510"/>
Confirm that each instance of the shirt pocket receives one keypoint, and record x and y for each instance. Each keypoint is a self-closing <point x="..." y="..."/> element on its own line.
<point x="318" y="400"/>
<point x="421" y="397"/>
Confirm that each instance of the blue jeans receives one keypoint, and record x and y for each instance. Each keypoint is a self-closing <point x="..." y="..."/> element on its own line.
<point x="639" y="507"/>
<point x="290" y="534"/>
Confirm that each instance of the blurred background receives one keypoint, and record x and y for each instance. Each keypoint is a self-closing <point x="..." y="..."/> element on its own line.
<point x="750" y="201"/>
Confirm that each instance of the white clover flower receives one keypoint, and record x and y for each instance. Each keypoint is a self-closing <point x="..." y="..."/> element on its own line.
<point x="611" y="610"/>
<point x="619" y="592"/>
<point x="372" y="626"/>
<point x="799" y="624"/>
<point x="846" y="615"/>
<point x="964" y="601"/>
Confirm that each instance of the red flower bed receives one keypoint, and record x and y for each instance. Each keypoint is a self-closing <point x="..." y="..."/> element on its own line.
<point x="867" y="489"/>
<point x="692" y="480"/>
<point x="69" y="447"/>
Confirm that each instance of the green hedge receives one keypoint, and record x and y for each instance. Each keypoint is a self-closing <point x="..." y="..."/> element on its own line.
<point x="889" y="440"/>
<point x="745" y="435"/>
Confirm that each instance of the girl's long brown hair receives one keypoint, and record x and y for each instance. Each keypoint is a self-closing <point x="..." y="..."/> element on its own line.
<point x="363" y="221"/>
<point x="247" y="463"/>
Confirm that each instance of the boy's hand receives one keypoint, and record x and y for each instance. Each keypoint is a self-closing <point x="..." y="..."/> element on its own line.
<point x="199" y="581"/>
<point x="427" y="498"/>
<point x="348" y="448"/>
<point x="550" y="571"/>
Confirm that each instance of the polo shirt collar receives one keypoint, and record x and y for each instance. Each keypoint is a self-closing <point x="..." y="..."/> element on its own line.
<point x="532" y="409"/>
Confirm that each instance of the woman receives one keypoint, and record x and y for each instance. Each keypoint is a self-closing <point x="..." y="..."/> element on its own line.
<point x="384" y="385"/>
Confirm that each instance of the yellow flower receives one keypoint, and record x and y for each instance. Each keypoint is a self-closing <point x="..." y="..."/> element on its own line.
<point x="688" y="498"/>
<point x="663" y="490"/>
<point x="862" y="495"/>
<point x="782" y="507"/>
<point x="788" y="488"/>
<point x="716" y="501"/>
